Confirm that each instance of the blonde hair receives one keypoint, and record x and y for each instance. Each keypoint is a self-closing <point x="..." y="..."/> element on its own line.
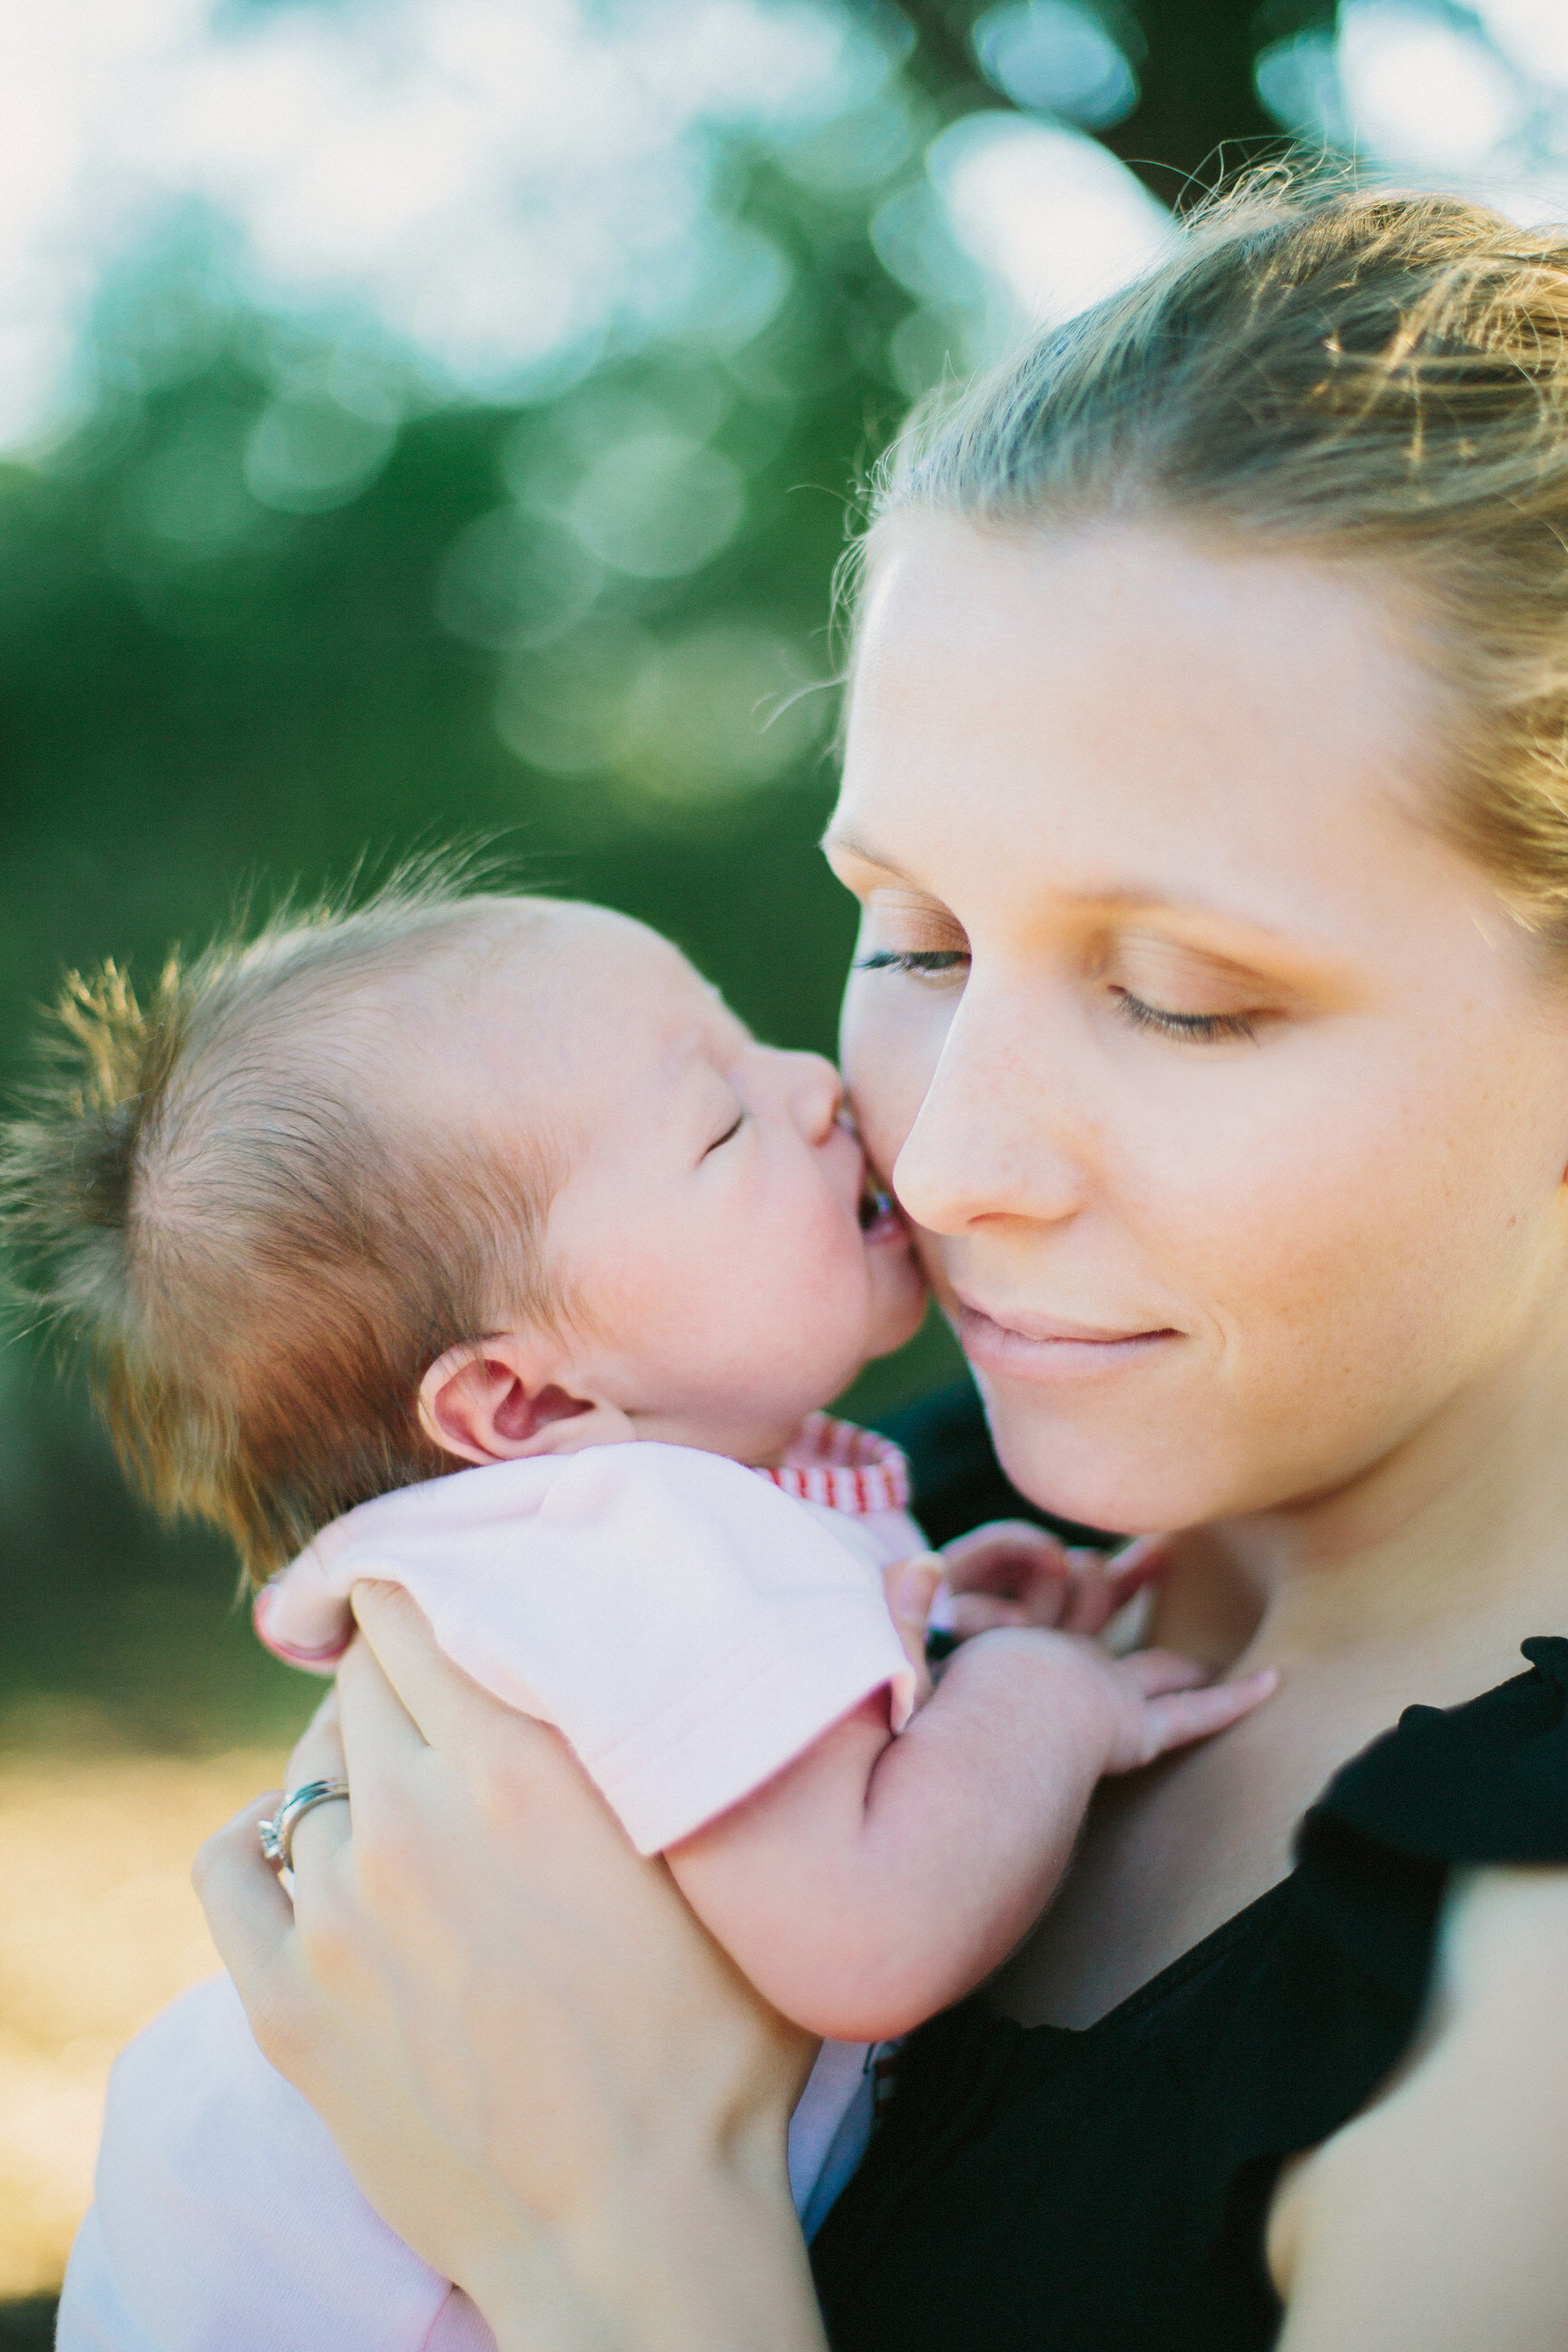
<point x="221" y="1200"/>
<point x="1361" y="376"/>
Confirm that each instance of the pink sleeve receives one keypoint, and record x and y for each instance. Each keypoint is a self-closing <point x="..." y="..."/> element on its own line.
<point x="688" y="1628"/>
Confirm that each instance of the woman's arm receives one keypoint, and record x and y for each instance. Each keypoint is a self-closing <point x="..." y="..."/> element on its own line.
<point x="1438" y="2221"/>
<point x="545" y="2076"/>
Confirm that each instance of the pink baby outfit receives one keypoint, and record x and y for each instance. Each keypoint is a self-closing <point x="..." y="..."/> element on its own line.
<point x="691" y="1626"/>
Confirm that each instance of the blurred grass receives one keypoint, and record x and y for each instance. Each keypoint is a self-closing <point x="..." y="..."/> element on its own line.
<point x="186" y="710"/>
<point x="181" y="717"/>
<point x="99" y="1930"/>
<point x="27" y="2324"/>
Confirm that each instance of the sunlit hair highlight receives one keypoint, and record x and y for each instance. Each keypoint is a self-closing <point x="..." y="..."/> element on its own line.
<point x="223" y="1198"/>
<point x="1365" y="377"/>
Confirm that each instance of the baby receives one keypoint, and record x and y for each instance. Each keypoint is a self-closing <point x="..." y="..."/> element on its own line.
<point x="474" y="1245"/>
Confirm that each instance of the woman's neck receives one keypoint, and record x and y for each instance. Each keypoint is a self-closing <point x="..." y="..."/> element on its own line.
<point x="1415" y="1583"/>
<point x="1441" y="1555"/>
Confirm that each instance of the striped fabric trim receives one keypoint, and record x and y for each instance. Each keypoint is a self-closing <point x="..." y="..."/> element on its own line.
<point x="847" y="1468"/>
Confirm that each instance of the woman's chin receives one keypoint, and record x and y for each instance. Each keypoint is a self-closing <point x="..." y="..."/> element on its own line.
<point x="1131" y="1482"/>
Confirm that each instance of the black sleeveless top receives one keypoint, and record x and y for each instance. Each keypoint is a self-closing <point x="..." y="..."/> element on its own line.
<point x="1041" y="2189"/>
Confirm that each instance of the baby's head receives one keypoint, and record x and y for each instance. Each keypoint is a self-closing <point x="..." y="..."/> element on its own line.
<point x="445" y="1180"/>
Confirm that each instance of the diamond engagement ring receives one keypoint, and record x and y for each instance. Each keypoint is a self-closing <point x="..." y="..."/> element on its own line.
<point x="278" y="1834"/>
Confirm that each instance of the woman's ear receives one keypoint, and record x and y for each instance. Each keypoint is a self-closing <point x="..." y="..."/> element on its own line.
<point x="492" y="1400"/>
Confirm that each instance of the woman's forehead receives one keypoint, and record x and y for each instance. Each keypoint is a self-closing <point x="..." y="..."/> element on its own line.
<point x="1126" y="618"/>
<point x="1137" y="716"/>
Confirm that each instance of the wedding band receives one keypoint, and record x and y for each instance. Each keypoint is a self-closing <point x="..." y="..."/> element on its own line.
<point x="278" y="1834"/>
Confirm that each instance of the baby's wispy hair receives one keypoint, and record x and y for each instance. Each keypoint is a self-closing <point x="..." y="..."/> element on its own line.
<point x="221" y="1195"/>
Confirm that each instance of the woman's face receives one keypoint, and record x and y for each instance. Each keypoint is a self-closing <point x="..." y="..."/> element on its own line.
<point x="1230" y="1101"/>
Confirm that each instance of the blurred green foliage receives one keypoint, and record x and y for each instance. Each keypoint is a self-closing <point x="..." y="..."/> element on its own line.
<point x="201" y="691"/>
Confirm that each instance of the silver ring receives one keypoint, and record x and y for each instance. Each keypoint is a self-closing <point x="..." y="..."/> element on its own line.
<point x="278" y="1834"/>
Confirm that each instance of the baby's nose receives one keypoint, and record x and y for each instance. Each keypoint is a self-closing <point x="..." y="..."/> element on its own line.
<point x="816" y="1095"/>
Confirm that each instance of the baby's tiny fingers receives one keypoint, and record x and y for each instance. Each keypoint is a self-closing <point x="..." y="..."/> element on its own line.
<point x="1152" y="1673"/>
<point x="1093" y="1596"/>
<point x="1139" y="1563"/>
<point x="909" y="1589"/>
<point x="1005" y="1557"/>
<point x="1177" y="1719"/>
<point x="969" y="1613"/>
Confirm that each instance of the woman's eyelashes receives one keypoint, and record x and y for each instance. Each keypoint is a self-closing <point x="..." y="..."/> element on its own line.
<point x="1165" y="1021"/>
<point x="1159" y="983"/>
<point x="925" y="962"/>
<point x="1204" y="1028"/>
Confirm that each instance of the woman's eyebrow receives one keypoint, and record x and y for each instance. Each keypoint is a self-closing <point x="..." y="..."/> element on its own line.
<point x="1130" y="898"/>
<point x="1145" y="898"/>
<point x="848" y="846"/>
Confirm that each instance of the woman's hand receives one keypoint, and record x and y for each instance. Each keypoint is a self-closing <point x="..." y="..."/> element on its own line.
<point x="543" y="2074"/>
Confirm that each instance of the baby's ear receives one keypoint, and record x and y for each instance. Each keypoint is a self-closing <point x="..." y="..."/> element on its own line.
<point x="491" y="1400"/>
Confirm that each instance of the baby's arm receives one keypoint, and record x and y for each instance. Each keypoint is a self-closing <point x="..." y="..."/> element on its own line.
<point x="876" y="1880"/>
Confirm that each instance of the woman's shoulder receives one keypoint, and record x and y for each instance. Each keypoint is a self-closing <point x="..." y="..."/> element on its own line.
<point x="1484" y="1782"/>
<point x="1263" y="2041"/>
<point x="1335" y="2008"/>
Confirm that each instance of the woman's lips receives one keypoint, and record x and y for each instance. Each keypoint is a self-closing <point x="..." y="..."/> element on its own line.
<point x="1053" y="1348"/>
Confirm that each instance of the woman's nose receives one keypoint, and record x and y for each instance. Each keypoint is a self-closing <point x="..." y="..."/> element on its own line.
<point x="993" y="1136"/>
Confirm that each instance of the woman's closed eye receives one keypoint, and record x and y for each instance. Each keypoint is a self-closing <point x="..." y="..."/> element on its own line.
<point x="1204" y="1028"/>
<point x="1181" y="991"/>
<point x="1240" y="1020"/>
<point x="926" y="962"/>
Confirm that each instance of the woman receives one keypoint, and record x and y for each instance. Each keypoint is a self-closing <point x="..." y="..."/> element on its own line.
<point x="1204" y="790"/>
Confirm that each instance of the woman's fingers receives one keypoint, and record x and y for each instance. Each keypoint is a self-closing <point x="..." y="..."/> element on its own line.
<point x="371" y="1715"/>
<point x="247" y="1912"/>
<point x="319" y="1835"/>
<point x="317" y="1752"/>
<point x="415" y="1686"/>
<point x="505" y="2019"/>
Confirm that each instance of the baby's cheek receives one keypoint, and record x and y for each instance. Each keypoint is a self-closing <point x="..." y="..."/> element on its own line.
<point x="888" y="1059"/>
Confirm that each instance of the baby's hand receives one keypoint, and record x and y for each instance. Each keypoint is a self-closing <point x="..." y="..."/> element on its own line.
<point x="908" y="1588"/>
<point x="1011" y="1573"/>
<point x="1142" y="1706"/>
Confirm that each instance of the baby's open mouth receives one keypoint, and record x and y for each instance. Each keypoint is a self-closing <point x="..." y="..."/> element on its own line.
<point x="878" y="1213"/>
